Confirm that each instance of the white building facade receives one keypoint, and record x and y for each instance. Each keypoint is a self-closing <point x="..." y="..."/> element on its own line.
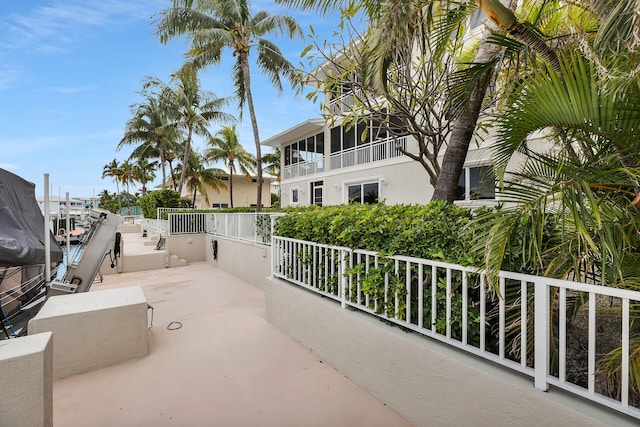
<point x="331" y="165"/>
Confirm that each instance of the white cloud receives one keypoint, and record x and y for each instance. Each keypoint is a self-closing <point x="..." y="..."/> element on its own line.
<point x="60" y="22"/>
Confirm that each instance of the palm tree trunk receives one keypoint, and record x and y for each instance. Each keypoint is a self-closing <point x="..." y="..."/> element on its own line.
<point x="231" y="186"/>
<point x="118" y="196"/>
<point x="164" y="173"/>
<point x="463" y="129"/>
<point x="254" y="124"/>
<point x="173" y="175"/>
<point x="185" y="159"/>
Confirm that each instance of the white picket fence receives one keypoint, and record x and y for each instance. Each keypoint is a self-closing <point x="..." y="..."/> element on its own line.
<point x="455" y="305"/>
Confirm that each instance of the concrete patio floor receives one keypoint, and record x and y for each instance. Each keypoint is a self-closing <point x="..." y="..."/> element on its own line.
<point x="225" y="366"/>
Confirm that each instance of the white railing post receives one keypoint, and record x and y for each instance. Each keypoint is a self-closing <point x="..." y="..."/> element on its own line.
<point x="541" y="323"/>
<point x="343" y="278"/>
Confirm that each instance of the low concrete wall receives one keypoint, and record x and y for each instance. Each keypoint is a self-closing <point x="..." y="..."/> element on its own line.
<point x="26" y="381"/>
<point x="127" y="227"/>
<point x="428" y="383"/>
<point x="143" y="262"/>
<point x="190" y="247"/>
<point x="249" y="261"/>
<point x="94" y="330"/>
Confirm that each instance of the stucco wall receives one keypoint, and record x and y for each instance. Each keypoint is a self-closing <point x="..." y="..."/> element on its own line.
<point x="93" y="330"/>
<point x="26" y="382"/>
<point x="248" y="261"/>
<point x="400" y="181"/>
<point x="190" y="247"/>
<point x="427" y="382"/>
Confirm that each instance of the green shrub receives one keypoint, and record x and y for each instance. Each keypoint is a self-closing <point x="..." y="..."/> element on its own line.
<point x="431" y="231"/>
<point x="148" y="206"/>
<point x="165" y="198"/>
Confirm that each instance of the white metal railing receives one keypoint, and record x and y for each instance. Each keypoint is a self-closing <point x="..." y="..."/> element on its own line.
<point x="251" y="227"/>
<point x="454" y="304"/>
<point x="304" y="168"/>
<point x="187" y="223"/>
<point x="159" y="225"/>
<point x="372" y="152"/>
<point x="161" y="211"/>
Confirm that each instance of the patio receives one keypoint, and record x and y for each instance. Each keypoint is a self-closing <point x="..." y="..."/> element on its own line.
<point x="226" y="365"/>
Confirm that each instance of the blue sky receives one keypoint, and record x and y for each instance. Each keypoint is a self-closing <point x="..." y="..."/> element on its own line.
<point x="70" y="69"/>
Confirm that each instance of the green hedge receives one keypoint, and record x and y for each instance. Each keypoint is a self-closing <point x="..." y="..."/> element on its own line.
<point x="431" y="231"/>
<point x="165" y="198"/>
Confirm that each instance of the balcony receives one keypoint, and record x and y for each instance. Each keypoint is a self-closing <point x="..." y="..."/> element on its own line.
<point x="303" y="169"/>
<point x="363" y="154"/>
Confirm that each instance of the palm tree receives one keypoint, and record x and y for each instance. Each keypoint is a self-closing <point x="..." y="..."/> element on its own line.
<point x="226" y="147"/>
<point x="213" y="26"/>
<point x="271" y="162"/>
<point x="200" y="177"/>
<point x="124" y="174"/>
<point x="573" y="212"/>
<point x="104" y="195"/>
<point x="113" y="170"/>
<point x="144" y="172"/>
<point x="149" y="127"/>
<point x="189" y="109"/>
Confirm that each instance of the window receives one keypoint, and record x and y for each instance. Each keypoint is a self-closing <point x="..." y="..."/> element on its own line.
<point x="348" y="138"/>
<point x="477" y="183"/>
<point x="220" y="205"/>
<point x="363" y="193"/>
<point x="316" y="193"/>
<point x="294" y="195"/>
<point x="345" y="137"/>
<point x="306" y="150"/>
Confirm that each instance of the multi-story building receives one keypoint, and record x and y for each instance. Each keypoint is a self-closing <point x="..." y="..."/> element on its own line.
<point x="329" y="165"/>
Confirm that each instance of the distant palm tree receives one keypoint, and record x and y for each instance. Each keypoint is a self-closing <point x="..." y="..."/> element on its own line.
<point x="104" y="195"/>
<point x="226" y="147"/>
<point x="144" y="172"/>
<point x="149" y="127"/>
<point x="200" y="177"/>
<point x="125" y="176"/>
<point x="271" y="162"/>
<point x="189" y="109"/>
<point x="113" y="170"/>
<point x="213" y="26"/>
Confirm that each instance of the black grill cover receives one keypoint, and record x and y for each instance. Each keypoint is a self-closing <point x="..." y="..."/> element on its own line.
<point x="22" y="224"/>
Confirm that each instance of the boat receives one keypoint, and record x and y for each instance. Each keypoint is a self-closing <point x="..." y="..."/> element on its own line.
<point x="24" y="282"/>
<point x="22" y="254"/>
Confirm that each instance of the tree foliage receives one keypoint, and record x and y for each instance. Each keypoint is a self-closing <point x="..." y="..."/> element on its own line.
<point x="215" y="26"/>
<point x="165" y="198"/>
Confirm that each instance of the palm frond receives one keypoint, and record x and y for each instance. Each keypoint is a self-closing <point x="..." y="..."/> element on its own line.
<point x="575" y="101"/>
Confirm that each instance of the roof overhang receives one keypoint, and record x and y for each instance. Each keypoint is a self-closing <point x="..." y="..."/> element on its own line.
<point x="294" y="133"/>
